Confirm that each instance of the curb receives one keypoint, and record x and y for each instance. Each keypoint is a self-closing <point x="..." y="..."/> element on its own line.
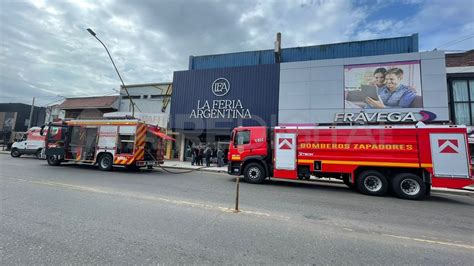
<point x="463" y="192"/>
<point x="195" y="169"/>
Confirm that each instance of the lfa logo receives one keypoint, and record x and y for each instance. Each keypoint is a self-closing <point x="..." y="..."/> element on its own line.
<point x="220" y="87"/>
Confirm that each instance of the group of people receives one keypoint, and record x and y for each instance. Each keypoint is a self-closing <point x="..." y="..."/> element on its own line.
<point x="391" y="92"/>
<point x="203" y="153"/>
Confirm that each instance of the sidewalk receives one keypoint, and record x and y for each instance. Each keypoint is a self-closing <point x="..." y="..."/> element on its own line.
<point x="188" y="166"/>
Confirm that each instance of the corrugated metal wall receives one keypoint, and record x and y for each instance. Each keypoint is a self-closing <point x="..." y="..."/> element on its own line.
<point x="399" y="45"/>
<point x="256" y="87"/>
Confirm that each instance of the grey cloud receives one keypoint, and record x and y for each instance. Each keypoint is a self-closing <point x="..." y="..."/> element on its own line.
<point x="45" y="51"/>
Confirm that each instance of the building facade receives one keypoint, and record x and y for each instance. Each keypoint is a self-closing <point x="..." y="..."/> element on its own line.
<point x="460" y="77"/>
<point x="88" y="107"/>
<point x="323" y="84"/>
<point x="16" y="117"/>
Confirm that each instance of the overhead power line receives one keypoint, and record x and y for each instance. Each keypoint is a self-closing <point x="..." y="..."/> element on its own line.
<point x="462" y="39"/>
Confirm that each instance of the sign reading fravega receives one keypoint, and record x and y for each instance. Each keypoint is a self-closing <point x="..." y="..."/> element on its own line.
<point x="377" y="117"/>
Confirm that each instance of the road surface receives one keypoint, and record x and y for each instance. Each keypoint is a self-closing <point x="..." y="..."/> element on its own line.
<point x="78" y="214"/>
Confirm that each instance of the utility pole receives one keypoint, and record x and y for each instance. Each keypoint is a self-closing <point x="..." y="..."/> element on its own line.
<point x="31" y="113"/>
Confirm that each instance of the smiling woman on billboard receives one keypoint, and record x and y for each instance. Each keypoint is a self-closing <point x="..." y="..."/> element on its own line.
<point x="391" y="85"/>
<point x="393" y="94"/>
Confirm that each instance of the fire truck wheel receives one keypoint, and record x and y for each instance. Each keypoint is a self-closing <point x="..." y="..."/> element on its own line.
<point x="53" y="160"/>
<point x="254" y="173"/>
<point x="105" y="162"/>
<point x="409" y="186"/>
<point x="15" y="153"/>
<point x="372" y="183"/>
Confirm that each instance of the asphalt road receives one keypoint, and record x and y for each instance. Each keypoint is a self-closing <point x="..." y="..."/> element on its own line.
<point x="78" y="214"/>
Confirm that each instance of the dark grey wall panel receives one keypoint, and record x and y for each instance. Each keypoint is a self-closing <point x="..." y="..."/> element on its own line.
<point x="252" y="98"/>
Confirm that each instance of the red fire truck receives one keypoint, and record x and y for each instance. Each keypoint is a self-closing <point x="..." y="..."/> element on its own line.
<point x="409" y="159"/>
<point x="124" y="142"/>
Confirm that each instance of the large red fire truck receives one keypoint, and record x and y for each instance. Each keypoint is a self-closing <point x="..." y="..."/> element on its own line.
<point x="123" y="142"/>
<point x="408" y="159"/>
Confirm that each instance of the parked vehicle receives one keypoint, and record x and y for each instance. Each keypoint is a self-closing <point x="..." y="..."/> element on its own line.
<point x="31" y="142"/>
<point x="110" y="142"/>
<point x="372" y="159"/>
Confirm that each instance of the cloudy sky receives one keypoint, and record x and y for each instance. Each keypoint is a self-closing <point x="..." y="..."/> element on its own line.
<point x="45" y="50"/>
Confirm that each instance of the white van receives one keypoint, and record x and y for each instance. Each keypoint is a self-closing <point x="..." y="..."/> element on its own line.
<point x="31" y="143"/>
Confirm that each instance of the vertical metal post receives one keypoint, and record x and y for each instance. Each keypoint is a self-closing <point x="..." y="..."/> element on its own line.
<point x="237" y="194"/>
<point x="31" y="113"/>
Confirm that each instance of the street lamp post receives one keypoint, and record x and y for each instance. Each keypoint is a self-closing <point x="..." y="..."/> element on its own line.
<point x="113" y="63"/>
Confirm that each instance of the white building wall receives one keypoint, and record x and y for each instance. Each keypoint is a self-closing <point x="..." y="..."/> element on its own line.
<point x="148" y="100"/>
<point x="313" y="91"/>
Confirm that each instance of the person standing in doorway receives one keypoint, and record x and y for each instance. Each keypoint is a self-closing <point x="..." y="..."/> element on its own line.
<point x="208" y="154"/>
<point x="220" y="157"/>
<point x="200" y="154"/>
<point x="193" y="156"/>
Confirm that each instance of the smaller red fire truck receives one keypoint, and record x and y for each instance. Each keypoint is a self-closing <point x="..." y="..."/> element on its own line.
<point x="409" y="159"/>
<point x="123" y="142"/>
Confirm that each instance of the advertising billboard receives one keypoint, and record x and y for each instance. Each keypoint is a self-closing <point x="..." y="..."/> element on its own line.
<point x="392" y="85"/>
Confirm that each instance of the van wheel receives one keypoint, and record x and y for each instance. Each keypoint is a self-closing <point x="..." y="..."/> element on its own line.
<point x="372" y="183"/>
<point x="15" y="153"/>
<point x="38" y="153"/>
<point x="105" y="162"/>
<point x="254" y="173"/>
<point x="409" y="186"/>
<point x="53" y="160"/>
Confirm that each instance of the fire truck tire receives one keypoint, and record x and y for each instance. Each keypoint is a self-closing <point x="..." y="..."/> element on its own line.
<point x="372" y="183"/>
<point x="254" y="173"/>
<point x="409" y="186"/>
<point x="105" y="162"/>
<point x="53" y="160"/>
<point x="15" y="153"/>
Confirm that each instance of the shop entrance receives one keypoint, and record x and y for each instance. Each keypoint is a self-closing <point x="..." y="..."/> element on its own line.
<point x="211" y="140"/>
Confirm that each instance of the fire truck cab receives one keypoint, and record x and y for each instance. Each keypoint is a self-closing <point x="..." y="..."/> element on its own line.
<point x="106" y="143"/>
<point x="408" y="160"/>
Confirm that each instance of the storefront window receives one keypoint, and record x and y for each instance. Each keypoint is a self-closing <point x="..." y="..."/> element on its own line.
<point x="460" y="91"/>
<point x="462" y="101"/>
<point x="462" y="113"/>
<point x="471" y="85"/>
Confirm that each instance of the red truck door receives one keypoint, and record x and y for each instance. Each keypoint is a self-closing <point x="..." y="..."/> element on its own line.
<point x="450" y="155"/>
<point x="285" y="151"/>
<point x="242" y="143"/>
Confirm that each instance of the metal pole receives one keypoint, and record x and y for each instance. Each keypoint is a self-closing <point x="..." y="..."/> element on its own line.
<point x="31" y="113"/>
<point x="116" y="70"/>
<point x="237" y="194"/>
